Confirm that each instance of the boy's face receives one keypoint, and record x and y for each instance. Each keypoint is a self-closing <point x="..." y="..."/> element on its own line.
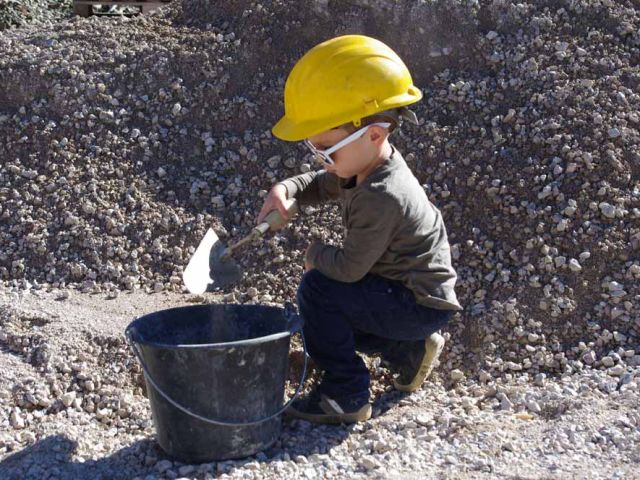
<point x="355" y="157"/>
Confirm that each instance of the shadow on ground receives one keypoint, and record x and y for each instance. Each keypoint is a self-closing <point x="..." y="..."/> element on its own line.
<point x="53" y="456"/>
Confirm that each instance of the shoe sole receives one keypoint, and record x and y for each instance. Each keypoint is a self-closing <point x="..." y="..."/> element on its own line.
<point x="337" y="418"/>
<point x="433" y="346"/>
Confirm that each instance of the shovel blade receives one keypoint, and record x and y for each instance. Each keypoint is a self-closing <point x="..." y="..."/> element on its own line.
<point x="208" y="268"/>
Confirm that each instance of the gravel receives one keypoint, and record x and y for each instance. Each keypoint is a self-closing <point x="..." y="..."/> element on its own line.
<point x="33" y="13"/>
<point x="118" y="154"/>
<point x="54" y="425"/>
<point x="147" y="139"/>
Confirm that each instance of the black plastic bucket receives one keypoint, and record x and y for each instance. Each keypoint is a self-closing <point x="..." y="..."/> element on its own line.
<point x="215" y="377"/>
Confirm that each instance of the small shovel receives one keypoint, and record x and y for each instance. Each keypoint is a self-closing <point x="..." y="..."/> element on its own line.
<point x="212" y="265"/>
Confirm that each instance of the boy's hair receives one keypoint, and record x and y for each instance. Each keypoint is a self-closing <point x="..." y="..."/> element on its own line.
<point x="351" y="128"/>
<point x="394" y="117"/>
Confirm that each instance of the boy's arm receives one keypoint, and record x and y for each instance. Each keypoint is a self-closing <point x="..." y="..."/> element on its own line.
<point x="374" y="220"/>
<point x="313" y="187"/>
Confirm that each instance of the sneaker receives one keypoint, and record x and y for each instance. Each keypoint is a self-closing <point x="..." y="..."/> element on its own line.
<point x="319" y="408"/>
<point x="418" y="363"/>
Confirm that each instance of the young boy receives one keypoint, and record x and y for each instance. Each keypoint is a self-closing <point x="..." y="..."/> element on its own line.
<point x="390" y="287"/>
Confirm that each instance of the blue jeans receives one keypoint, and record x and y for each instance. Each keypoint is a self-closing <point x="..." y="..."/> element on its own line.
<point x="373" y="315"/>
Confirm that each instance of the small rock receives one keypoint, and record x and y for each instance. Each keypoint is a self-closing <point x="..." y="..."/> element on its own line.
<point x="381" y="446"/>
<point x="533" y="406"/>
<point x="506" y="404"/>
<point x="589" y="357"/>
<point x="252" y="292"/>
<point x="457" y="375"/>
<point x="584" y="256"/>
<point x="617" y="370"/>
<point x="16" y="420"/>
<point x="163" y="465"/>
<point x="608" y="361"/>
<point x="252" y="466"/>
<point x="574" y="265"/>
<point x="539" y="379"/>
<point x="619" y="337"/>
<point x="370" y="463"/>
<point x="68" y="398"/>
<point x="468" y="403"/>
<point x="516" y="367"/>
<point x="626" y="378"/>
<point x="63" y="295"/>
<point x="185" y="470"/>
<point x="274" y="161"/>
<point x="607" y="210"/>
<point x="423" y="420"/>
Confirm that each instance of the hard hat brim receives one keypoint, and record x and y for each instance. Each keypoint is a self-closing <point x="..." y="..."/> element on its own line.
<point x="291" y="131"/>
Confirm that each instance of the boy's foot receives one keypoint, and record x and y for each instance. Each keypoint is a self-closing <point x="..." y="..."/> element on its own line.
<point x="319" y="408"/>
<point x="418" y="363"/>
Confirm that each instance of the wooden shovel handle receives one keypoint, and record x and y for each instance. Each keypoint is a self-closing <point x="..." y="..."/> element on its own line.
<point x="274" y="219"/>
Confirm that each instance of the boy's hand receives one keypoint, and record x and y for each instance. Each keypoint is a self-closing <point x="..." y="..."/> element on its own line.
<point x="276" y="200"/>
<point x="308" y="265"/>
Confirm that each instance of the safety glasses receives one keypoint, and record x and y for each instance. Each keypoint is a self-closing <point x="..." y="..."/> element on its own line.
<point x="324" y="156"/>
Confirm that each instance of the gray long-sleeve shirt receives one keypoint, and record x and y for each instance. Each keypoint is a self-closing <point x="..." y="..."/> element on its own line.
<point x="391" y="230"/>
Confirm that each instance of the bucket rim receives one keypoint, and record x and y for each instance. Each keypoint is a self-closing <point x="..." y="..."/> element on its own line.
<point x="132" y="334"/>
<point x="218" y="345"/>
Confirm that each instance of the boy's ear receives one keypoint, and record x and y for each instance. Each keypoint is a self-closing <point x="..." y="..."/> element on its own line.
<point x="376" y="135"/>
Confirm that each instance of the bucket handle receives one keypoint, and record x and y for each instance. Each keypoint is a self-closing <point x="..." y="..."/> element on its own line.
<point x="297" y="327"/>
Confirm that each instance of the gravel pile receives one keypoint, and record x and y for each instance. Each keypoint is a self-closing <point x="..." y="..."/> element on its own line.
<point x="37" y="13"/>
<point x="120" y="153"/>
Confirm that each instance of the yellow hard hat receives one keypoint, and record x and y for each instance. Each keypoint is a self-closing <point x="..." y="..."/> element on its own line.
<point x="343" y="80"/>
